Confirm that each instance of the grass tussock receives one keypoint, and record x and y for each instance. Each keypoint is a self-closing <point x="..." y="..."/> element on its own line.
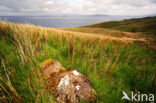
<point x="112" y="64"/>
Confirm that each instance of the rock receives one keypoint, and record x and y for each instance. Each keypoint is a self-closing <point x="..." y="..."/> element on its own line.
<point x="67" y="85"/>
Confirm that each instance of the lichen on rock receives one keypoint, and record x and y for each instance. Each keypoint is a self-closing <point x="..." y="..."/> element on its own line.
<point x="64" y="81"/>
<point x="75" y="72"/>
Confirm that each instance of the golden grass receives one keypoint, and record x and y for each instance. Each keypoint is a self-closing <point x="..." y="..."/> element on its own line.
<point x="33" y="32"/>
<point x="99" y="31"/>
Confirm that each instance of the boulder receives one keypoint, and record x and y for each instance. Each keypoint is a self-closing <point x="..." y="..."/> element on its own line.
<point x="67" y="85"/>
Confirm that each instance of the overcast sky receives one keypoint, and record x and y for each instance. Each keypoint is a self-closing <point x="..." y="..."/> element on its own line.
<point x="84" y="7"/>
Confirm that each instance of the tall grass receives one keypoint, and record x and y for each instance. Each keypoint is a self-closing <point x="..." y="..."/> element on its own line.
<point x="112" y="64"/>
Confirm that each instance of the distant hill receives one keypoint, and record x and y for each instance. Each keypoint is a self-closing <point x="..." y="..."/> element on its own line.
<point x="145" y="25"/>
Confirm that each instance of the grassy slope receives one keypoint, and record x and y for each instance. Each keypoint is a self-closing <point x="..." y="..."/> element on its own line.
<point x="144" y="25"/>
<point x="106" y="32"/>
<point x="113" y="64"/>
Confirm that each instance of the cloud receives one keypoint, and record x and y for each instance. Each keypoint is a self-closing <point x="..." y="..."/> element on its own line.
<point x="154" y="1"/>
<point x="111" y="7"/>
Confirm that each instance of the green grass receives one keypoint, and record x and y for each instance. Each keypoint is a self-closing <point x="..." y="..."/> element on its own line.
<point x="111" y="65"/>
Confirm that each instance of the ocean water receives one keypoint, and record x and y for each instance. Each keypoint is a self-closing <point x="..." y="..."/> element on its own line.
<point x="62" y="21"/>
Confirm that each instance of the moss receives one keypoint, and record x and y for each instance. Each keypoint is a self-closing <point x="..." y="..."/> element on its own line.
<point x="62" y="69"/>
<point x="50" y="61"/>
<point x="46" y="62"/>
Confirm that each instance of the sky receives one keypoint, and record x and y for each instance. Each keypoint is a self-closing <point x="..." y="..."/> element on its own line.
<point x="78" y="7"/>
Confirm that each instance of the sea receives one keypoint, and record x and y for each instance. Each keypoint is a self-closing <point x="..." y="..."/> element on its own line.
<point x="63" y="21"/>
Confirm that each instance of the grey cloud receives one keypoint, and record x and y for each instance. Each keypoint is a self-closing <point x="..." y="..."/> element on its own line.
<point x="29" y="5"/>
<point x="113" y="7"/>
